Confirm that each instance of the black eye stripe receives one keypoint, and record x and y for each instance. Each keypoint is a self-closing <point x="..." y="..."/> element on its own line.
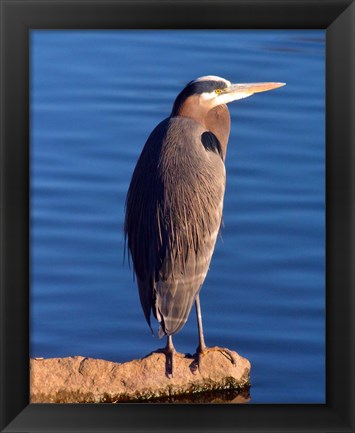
<point x="205" y="86"/>
<point x="197" y="88"/>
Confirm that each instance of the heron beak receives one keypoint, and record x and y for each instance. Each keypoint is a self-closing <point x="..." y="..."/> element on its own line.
<point x="240" y="91"/>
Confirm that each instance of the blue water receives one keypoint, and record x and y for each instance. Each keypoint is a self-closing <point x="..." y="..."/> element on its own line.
<point x="95" y="97"/>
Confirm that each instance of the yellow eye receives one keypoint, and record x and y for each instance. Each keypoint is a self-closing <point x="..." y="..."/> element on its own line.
<point x="218" y="91"/>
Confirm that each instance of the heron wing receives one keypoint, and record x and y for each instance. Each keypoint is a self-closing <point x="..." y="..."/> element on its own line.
<point x="144" y="195"/>
<point x="176" y="291"/>
<point x="173" y="214"/>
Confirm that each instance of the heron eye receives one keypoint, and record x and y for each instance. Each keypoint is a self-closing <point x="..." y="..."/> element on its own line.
<point x="218" y="91"/>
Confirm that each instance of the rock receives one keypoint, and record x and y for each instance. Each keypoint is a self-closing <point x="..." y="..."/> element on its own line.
<point x="85" y="380"/>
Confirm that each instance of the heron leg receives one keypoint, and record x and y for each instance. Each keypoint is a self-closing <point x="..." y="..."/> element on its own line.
<point x="169" y="351"/>
<point x="202" y="348"/>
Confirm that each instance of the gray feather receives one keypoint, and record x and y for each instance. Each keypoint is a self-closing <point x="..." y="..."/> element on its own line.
<point x="173" y="213"/>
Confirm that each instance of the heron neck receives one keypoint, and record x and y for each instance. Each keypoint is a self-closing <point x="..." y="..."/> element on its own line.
<point x="216" y="120"/>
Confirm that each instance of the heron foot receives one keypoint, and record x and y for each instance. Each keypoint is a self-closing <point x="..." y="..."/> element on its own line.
<point x="200" y="352"/>
<point x="196" y="365"/>
<point x="169" y="361"/>
<point x="170" y="354"/>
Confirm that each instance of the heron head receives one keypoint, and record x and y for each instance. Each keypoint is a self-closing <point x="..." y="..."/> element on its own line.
<point x="210" y="91"/>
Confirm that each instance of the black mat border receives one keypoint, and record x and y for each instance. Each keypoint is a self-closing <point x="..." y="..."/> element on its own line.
<point x="17" y="18"/>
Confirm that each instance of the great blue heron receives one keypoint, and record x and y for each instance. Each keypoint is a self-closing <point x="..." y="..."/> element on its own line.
<point x="175" y="200"/>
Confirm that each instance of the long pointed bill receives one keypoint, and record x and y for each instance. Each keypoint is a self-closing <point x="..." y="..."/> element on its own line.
<point x="240" y="91"/>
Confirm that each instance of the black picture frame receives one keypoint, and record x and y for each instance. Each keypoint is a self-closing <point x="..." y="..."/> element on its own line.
<point x="17" y="19"/>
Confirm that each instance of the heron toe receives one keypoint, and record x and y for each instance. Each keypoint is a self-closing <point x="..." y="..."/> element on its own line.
<point x="201" y="352"/>
<point x="227" y="353"/>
